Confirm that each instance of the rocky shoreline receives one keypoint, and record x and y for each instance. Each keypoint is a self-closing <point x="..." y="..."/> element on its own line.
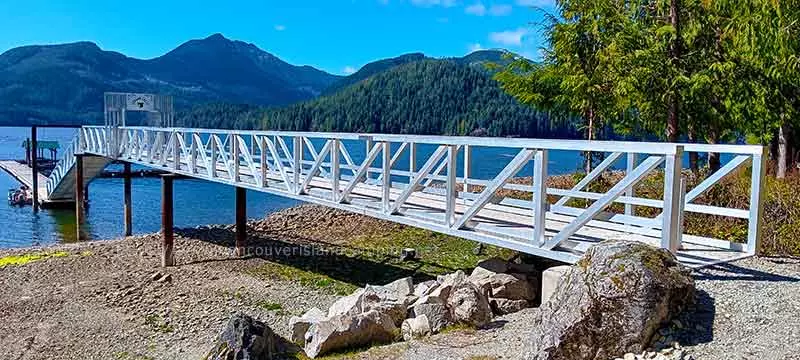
<point x="110" y="299"/>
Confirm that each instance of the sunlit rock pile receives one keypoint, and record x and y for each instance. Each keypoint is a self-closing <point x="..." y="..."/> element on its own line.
<point x="401" y="309"/>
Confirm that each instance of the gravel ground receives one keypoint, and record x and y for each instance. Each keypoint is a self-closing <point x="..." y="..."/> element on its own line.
<point x="111" y="300"/>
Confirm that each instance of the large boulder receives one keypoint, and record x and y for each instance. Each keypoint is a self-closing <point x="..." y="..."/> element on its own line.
<point x="446" y="284"/>
<point x="416" y="327"/>
<point x="434" y="309"/>
<point x="245" y="339"/>
<point x="300" y="324"/>
<point x="468" y="305"/>
<point x="506" y="286"/>
<point x="610" y="303"/>
<point x="391" y="299"/>
<point x="344" y="331"/>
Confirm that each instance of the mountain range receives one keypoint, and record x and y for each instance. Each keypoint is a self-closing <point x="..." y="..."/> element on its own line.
<point x="218" y="82"/>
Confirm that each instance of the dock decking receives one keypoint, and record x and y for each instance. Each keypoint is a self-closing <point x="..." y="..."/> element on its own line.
<point x="24" y="174"/>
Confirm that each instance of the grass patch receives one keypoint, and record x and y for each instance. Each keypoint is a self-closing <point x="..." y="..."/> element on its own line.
<point x="30" y="257"/>
<point x="269" y="306"/>
<point x="375" y="259"/>
<point x="157" y="323"/>
<point x="304" y="277"/>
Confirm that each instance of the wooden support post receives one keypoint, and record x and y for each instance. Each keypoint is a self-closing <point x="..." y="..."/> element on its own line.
<point x="126" y="179"/>
<point x="79" y="198"/>
<point x="167" y="244"/>
<point x="34" y="170"/>
<point x="241" y="221"/>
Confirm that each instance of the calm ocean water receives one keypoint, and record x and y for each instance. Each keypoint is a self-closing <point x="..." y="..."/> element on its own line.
<point x="197" y="202"/>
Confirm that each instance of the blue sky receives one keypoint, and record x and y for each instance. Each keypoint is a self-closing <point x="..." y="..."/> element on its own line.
<point x="337" y="36"/>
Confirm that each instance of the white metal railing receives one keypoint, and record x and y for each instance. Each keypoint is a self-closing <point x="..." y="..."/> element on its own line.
<point x="391" y="179"/>
<point x="64" y="164"/>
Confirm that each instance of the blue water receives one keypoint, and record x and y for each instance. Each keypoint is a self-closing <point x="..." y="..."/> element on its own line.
<point x="197" y="202"/>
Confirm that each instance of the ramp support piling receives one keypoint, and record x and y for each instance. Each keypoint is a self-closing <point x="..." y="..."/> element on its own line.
<point x="167" y="247"/>
<point x="127" y="202"/>
<point x="34" y="170"/>
<point x="241" y="221"/>
<point x="79" y="195"/>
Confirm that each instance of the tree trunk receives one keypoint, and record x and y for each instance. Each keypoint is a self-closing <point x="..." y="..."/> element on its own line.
<point x="693" y="158"/>
<point x="587" y="166"/>
<point x="673" y="131"/>
<point x="783" y="149"/>
<point x="713" y="158"/>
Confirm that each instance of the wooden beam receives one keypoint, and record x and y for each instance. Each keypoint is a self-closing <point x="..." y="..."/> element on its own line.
<point x="127" y="213"/>
<point x="34" y="171"/>
<point x="79" y="198"/>
<point x="167" y="223"/>
<point x="241" y="221"/>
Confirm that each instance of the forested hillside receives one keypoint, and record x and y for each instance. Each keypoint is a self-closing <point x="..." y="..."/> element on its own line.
<point x="420" y="97"/>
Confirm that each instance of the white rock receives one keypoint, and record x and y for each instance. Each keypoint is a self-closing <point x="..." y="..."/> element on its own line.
<point x="350" y="304"/>
<point x="468" y="305"/>
<point x="402" y="287"/>
<point x="300" y="324"/>
<point x="415" y="328"/>
<point x="550" y="280"/>
<point x="345" y="331"/>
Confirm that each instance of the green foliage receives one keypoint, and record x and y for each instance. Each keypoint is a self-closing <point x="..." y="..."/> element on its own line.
<point x="420" y="97"/>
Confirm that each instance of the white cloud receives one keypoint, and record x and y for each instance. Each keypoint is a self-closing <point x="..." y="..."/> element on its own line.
<point x="509" y="37"/>
<point x="429" y="3"/>
<point x="280" y="27"/>
<point x="500" y="10"/>
<point x="537" y="3"/>
<point x="348" y="70"/>
<point x="474" y="47"/>
<point x="476" y="9"/>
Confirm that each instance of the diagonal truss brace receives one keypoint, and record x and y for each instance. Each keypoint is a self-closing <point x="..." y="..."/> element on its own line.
<point x="501" y="179"/>
<point x="594" y="174"/>
<point x="423" y="173"/>
<point x="616" y="191"/>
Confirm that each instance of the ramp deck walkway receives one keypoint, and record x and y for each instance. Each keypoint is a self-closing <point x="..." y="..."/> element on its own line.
<point x="388" y="177"/>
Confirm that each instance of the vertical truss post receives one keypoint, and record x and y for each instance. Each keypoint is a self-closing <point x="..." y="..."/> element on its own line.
<point x="756" y="202"/>
<point x="235" y="156"/>
<point x="412" y="160"/>
<point x="212" y="166"/>
<point x="335" y="170"/>
<point x="387" y="175"/>
<point x="672" y="187"/>
<point x="452" y="192"/>
<point x="176" y="151"/>
<point x="630" y="209"/>
<point x="368" y="143"/>
<point x="467" y="167"/>
<point x="539" y="196"/>
<point x="263" y="155"/>
<point x="297" y="143"/>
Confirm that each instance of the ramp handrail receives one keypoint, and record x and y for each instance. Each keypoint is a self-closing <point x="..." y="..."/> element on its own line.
<point x="65" y="163"/>
<point x="390" y="178"/>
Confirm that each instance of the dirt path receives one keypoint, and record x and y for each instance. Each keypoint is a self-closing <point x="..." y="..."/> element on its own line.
<point x="111" y="300"/>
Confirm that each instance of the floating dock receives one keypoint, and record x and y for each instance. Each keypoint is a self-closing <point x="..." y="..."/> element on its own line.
<point x="24" y="175"/>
